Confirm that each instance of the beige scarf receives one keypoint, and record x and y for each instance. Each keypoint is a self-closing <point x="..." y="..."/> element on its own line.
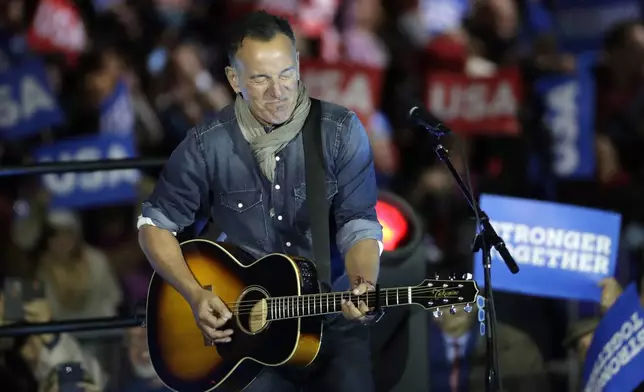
<point x="266" y="145"/>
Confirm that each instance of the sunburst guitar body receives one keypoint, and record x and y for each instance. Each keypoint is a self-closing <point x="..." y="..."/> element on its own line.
<point x="277" y="308"/>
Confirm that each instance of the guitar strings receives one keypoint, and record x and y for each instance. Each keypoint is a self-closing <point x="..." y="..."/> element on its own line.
<point x="292" y="302"/>
<point x="342" y="294"/>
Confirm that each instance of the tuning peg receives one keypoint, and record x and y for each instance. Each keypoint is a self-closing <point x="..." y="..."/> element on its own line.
<point x="430" y="303"/>
<point x="452" y="277"/>
<point x="452" y="310"/>
<point x="468" y="308"/>
<point x="437" y="313"/>
<point x="467" y="276"/>
<point x="437" y="276"/>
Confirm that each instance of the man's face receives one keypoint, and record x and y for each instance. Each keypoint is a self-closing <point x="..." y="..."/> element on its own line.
<point x="266" y="73"/>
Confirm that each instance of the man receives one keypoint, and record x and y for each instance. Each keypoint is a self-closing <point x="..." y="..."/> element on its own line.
<point x="247" y="167"/>
<point x="457" y="356"/>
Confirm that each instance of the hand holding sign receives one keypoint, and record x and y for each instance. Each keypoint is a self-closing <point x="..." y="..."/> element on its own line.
<point x="611" y="290"/>
<point x="563" y="251"/>
<point x="615" y="358"/>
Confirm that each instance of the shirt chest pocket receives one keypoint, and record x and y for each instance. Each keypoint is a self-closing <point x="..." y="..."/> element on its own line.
<point x="242" y="216"/>
<point x="302" y="221"/>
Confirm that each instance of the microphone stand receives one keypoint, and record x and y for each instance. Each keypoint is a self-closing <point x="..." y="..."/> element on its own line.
<point x="485" y="239"/>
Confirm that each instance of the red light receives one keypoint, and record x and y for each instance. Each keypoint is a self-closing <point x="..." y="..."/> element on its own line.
<point x="394" y="224"/>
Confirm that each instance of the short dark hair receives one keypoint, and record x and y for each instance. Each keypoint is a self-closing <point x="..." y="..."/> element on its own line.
<point x="258" y="25"/>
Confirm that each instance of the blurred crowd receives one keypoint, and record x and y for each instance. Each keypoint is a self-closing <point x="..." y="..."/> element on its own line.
<point x="149" y="70"/>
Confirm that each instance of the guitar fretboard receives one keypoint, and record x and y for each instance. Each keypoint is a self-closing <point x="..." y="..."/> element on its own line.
<point x="326" y="303"/>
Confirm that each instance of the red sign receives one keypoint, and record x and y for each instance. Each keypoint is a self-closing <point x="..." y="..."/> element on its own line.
<point x="354" y="87"/>
<point x="482" y="105"/>
<point x="57" y="27"/>
<point x="310" y="17"/>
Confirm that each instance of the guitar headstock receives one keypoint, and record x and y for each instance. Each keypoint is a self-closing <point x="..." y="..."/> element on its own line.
<point x="434" y="294"/>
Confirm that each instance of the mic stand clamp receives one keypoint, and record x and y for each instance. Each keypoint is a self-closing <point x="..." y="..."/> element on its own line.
<point x="485" y="239"/>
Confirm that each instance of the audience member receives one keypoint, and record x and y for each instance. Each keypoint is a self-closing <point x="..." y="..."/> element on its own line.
<point x="458" y="356"/>
<point x="79" y="280"/>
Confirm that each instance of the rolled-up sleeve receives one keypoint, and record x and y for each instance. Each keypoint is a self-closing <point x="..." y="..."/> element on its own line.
<point x="354" y="206"/>
<point x="182" y="186"/>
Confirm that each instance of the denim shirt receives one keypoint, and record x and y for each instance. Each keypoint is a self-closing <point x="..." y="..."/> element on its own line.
<point x="213" y="169"/>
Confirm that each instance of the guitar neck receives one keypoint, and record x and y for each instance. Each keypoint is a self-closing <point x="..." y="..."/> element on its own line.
<point x="280" y="308"/>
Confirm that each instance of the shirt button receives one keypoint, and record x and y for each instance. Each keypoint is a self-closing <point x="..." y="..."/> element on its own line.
<point x="240" y="205"/>
<point x="277" y="158"/>
<point x="288" y="244"/>
<point x="279" y="217"/>
<point x="277" y="186"/>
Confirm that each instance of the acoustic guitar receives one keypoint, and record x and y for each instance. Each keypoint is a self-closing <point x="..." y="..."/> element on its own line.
<point x="274" y="301"/>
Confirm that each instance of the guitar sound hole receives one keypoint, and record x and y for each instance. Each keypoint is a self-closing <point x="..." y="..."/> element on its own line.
<point x="252" y="310"/>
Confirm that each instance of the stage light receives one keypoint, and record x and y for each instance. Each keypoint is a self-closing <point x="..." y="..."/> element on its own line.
<point x="401" y="227"/>
<point x="394" y="224"/>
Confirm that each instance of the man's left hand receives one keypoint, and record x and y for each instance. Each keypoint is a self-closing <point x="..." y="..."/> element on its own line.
<point x="361" y="311"/>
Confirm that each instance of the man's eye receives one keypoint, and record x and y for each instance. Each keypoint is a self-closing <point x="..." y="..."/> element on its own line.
<point x="261" y="79"/>
<point x="287" y="75"/>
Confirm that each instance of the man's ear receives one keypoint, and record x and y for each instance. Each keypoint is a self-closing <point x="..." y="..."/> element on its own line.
<point x="233" y="80"/>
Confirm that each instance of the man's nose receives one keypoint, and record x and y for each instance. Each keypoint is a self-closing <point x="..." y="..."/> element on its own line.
<point x="276" y="90"/>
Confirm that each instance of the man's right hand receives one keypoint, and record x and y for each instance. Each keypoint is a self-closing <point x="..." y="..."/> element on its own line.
<point x="211" y="313"/>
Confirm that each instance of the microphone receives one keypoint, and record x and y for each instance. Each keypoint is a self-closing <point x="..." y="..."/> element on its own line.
<point x="419" y="116"/>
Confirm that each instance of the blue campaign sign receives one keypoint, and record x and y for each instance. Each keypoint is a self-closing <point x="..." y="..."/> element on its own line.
<point x="581" y="25"/>
<point x="569" y="112"/>
<point x="27" y="103"/>
<point x="117" y="112"/>
<point x="80" y="190"/>
<point x="563" y="251"/>
<point x="615" y="359"/>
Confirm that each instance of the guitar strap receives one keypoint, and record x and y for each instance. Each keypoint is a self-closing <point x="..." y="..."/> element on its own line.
<point x="316" y="201"/>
